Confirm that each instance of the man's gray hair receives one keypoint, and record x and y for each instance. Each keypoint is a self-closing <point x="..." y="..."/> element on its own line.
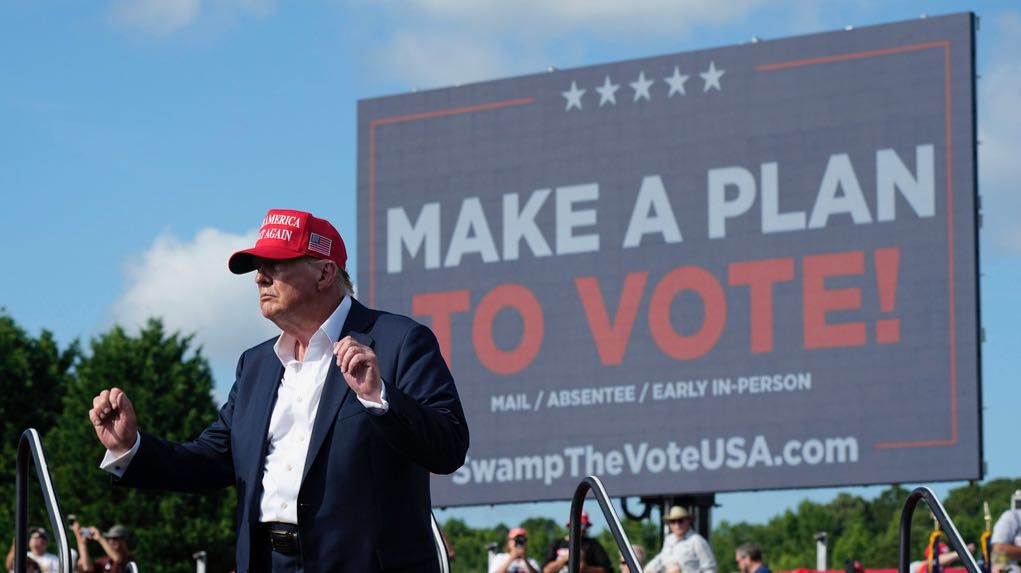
<point x="751" y="551"/>
<point x="343" y="279"/>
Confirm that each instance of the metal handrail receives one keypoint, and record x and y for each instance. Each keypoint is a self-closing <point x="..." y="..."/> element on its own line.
<point x="956" y="541"/>
<point x="612" y="522"/>
<point x="441" y="545"/>
<point x="31" y="444"/>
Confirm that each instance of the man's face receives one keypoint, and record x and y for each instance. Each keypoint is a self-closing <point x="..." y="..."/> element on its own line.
<point x="743" y="562"/>
<point x="37" y="543"/>
<point x="679" y="526"/>
<point x="284" y="286"/>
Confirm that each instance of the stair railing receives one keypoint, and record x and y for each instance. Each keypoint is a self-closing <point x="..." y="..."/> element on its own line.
<point x="612" y="521"/>
<point x="31" y="445"/>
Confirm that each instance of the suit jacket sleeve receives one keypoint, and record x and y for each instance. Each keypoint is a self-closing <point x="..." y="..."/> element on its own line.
<point x="425" y="422"/>
<point x="200" y="465"/>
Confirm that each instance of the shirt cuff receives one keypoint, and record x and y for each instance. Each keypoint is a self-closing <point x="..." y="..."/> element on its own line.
<point x="117" y="464"/>
<point x="376" y="408"/>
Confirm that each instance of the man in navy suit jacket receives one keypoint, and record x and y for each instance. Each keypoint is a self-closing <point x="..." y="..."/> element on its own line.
<point x="330" y="431"/>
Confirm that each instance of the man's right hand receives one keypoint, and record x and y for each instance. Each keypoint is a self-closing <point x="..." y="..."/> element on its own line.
<point x="113" y="417"/>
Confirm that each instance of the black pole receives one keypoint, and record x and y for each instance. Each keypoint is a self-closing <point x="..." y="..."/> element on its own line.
<point x="612" y="522"/>
<point x="31" y="445"/>
<point x="21" y="507"/>
<point x="946" y="524"/>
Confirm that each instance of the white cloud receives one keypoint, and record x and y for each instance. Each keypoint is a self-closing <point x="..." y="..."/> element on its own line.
<point x="188" y="286"/>
<point x="445" y="42"/>
<point x="999" y="125"/>
<point x="434" y="58"/>
<point x="636" y="16"/>
<point x="158" y="17"/>
<point x="165" y="17"/>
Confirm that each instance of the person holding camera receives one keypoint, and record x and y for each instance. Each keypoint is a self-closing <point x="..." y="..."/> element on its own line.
<point x="114" y="543"/>
<point x="516" y="559"/>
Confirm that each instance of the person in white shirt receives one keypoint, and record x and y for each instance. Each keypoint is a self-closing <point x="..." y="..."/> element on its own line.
<point x="38" y="541"/>
<point x="331" y="430"/>
<point x="683" y="549"/>
<point x="516" y="559"/>
<point x="1006" y="541"/>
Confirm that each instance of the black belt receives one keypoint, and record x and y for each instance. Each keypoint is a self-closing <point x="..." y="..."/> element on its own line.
<point x="283" y="537"/>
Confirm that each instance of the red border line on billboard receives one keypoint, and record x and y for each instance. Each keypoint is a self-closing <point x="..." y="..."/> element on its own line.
<point x="945" y="45"/>
<point x="372" y="164"/>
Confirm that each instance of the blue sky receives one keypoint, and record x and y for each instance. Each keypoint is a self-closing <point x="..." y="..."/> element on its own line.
<point x="143" y="140"/>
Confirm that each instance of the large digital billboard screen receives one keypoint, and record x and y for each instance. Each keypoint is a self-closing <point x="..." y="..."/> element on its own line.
<point x="740" y="268"/>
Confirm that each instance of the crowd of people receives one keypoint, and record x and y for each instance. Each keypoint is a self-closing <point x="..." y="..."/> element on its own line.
<point x="113" y="542"/>
<point x="683" y="550"/>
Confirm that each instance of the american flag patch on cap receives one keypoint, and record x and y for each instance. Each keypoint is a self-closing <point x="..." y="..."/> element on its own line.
<point x="319" y="244"/>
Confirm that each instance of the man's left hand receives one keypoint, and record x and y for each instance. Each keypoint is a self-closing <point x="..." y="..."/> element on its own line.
<point x="360" y="367"/>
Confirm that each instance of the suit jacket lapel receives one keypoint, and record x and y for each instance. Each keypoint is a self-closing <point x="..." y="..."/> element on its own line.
<point x="336" y="391"/>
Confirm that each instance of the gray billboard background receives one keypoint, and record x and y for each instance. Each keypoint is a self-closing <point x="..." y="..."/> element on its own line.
<point x="857" y="243"/>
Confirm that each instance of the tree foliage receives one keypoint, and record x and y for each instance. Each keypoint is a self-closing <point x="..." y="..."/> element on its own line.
<point x="34" y="375"/>
<point x="170" y="386"/>
<point x="860" y="529"/>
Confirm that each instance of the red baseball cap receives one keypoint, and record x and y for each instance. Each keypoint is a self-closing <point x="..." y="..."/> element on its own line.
<point x="516" y="532"/>
<point x="288" y="235"/>
<point x="585" y="521"/>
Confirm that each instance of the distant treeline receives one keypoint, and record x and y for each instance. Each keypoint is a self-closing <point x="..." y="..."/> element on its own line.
<point x="866" y="530"/>
<point x="51" y="389"/>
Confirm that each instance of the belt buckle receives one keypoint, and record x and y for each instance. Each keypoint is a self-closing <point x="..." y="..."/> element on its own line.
<point x="285" y="542"/>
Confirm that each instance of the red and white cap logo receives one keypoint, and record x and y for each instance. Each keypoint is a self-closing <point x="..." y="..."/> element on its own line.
<point x="288" y="235"/>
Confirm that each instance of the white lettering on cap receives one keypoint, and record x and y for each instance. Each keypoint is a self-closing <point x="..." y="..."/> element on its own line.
<point x="285" y="220"/>
<point x="275" y="233"/>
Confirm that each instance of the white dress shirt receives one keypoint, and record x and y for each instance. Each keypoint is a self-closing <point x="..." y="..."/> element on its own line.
<point x="290" y="425"/>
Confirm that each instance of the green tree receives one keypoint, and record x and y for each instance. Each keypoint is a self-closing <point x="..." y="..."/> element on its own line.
<point x="541" y="532"/>
<point x="169" y="384"/>
<point x="34" y="375"/>
<point x="964" y="504"/>
<point x="645" y="533"/>
<point x="470" y="545"/>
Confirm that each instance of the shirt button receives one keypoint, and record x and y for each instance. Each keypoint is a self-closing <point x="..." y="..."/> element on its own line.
<point x="283" y="505"/>
<point x="300" y="399"/>
<point x="289" y="467"/>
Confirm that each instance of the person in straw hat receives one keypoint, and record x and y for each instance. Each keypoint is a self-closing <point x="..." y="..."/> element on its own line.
<point x="683" y="549"/>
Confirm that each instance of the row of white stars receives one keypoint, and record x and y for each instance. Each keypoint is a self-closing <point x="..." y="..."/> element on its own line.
<point x="608" y="91"/>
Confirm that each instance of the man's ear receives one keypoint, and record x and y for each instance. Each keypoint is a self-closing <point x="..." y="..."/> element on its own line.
<point x="328" y="275"/>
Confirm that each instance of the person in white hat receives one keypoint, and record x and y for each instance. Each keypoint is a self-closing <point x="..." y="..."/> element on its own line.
<point x="683" y="549"/>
